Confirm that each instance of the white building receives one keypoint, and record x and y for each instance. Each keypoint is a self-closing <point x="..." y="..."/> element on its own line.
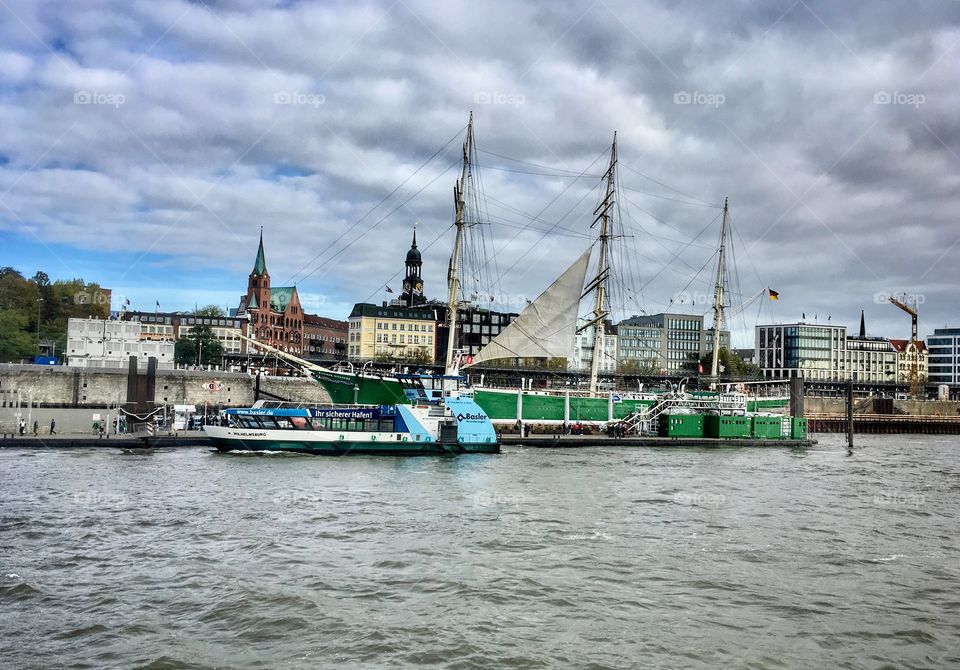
<point x="582" y="359"/>
<point x="99" y="343"/>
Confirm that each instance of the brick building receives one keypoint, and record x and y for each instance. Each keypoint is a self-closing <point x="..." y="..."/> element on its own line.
<point x="324" y="338"/>
<point x="275" y="314"/>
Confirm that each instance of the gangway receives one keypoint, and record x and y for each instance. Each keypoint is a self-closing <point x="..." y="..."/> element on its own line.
<point x="646" y="421"/>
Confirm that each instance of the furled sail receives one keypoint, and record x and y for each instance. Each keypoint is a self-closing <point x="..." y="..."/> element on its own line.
<point x="547" y="327"/>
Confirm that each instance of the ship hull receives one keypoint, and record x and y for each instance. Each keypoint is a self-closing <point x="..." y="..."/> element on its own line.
<point x="354" y="448"/>
<point x="323" y="444"/>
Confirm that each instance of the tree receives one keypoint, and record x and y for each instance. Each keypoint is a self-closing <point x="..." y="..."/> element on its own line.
<point x="199" y="342"/>
<point x="421" y="355"/>
<point x="633" y="366"/>
<point x="544" y="363"/>
<point x="730" y="365"/>
<point x="15" y="341"/>
<point x="41" y="278"/>
<point x="210" y="310"/>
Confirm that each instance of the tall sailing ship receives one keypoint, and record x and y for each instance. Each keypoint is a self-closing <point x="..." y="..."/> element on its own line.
<point x="546" y="328"/>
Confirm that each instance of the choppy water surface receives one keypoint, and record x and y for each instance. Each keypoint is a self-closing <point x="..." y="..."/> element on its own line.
<point x="534" y="558"/>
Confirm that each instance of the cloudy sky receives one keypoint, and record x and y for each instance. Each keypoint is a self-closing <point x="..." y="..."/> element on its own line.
<point x="145" y="143"/>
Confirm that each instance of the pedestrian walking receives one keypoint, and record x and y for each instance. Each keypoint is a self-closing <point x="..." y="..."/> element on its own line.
<point x="23" y="427"/>
<point x="36" y="428"/>
<point x="53" y="425"/>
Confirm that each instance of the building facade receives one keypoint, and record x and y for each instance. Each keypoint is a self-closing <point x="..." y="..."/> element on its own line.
<point x="582" y="358"/>
<point x="912" y="361"/>
<point x="171" y="326"/>
<point x="324" y="338"/>
<point x="800" y="350"/>
<point x="274" y="312"/>
<point x="829" y="353"/>
<point x="100" y="343"/>
<point x="868" y="359"/>
<point x="670" y="344"/>
<point x="476" y="327"/>
<point x="387" y="332"/>
<point x="944" y="356"/>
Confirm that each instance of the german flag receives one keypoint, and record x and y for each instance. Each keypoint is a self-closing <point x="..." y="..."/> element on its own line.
<point x="773" y="294"/>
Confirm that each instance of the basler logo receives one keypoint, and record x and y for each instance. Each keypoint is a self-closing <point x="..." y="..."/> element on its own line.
<point x="471" y="417"/>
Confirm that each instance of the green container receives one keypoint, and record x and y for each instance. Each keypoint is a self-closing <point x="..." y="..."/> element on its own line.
<point x="727" y="426"/>
<point x="767" y="427"/>
<point x="681" y="425"/>
<point x="798" y="428"/>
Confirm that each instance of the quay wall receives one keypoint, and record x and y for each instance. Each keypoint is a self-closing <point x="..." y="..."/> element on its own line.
<point x="911" y="407"/>
<point x="73" y="395"/>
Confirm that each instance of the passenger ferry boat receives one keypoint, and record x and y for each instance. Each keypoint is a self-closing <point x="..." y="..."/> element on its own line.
<point x="454" y="426"/>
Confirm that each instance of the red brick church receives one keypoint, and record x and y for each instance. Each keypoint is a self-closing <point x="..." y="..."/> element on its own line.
<point x="275" y="314"/>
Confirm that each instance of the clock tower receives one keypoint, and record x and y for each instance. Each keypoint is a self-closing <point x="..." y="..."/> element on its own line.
<point x="413" y="283"/>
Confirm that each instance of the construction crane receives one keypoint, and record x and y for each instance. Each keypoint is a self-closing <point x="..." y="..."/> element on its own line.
<point x="913" y="357"/>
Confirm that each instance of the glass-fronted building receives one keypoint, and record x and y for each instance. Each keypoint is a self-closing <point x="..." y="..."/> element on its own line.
<point x="823" y="352"/>
<point x="944" y="356"/>
<point x="669" y="343"/>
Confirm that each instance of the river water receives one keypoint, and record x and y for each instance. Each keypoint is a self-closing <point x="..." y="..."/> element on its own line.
<point x="600" y="558"/>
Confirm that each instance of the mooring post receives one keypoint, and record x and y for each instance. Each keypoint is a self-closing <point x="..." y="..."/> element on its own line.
<point x="850" y="415"/>
<point x="796" y="396"/>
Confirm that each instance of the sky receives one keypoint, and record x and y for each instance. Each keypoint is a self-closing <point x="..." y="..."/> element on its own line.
<point x="145" y="144"/>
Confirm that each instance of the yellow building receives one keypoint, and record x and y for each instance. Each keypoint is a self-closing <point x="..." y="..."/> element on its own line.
<point x="400" y="333"/>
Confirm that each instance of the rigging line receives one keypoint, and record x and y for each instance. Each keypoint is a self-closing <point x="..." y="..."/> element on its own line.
<point x="494" y="285"/>
<point x="686" y="195"/>
<point x="549" y="174"/>
<point x="532" y="218"/>
<point x="555" y="198"/>
<point x="537" y="165"/>
<point x="663" y="223"/>
<point x="553" y="227"/>
<point x="632" y="257"/>
<point x="378" y="222"/>
<point x="623" y="209"/>
<point x="374" y="208"/>
<point x="668" y="263"/>
<point x="564" y="231"/>
<point x="750" y="258"/>
<point x="657" y="240"/>
<point x="666" y="197"/>
<point x="736" y="276"/>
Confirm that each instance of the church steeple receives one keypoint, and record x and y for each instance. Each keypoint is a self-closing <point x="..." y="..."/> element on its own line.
<point x="260" y="265"/>
<point x="413" y="282"/>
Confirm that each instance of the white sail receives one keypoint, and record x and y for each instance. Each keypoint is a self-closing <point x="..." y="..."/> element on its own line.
<point x="547" y="327"/>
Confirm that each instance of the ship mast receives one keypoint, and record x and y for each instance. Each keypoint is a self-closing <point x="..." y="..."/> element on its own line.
<point x="718" y="300"/>
<point x="599" y="309"/>
<point x="453" y="278"/>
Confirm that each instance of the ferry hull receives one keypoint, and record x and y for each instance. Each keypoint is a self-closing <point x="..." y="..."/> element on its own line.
<point x="351" y="448"/>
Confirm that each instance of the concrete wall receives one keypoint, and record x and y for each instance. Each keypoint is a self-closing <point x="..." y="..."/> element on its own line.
<point x="73" y="395"/>
<point x="914" y="407"/>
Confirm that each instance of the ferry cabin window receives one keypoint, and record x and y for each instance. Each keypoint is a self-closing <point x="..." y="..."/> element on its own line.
<point x="355" y="425"/>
